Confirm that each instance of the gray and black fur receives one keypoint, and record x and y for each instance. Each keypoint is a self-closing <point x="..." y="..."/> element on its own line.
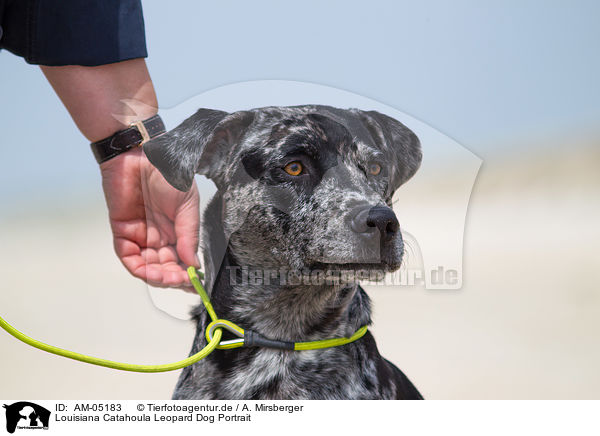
<point x="334" y="216"/>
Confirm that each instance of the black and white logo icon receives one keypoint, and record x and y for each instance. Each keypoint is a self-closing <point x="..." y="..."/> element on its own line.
<point x="26" y="415"/>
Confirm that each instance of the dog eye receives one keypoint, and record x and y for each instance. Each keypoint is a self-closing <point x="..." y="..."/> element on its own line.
<point x="374" y="168"/>
<point x="293" y="168"/>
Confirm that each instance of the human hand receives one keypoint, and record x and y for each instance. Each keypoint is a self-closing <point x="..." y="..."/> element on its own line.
<point x="155" y="226"/>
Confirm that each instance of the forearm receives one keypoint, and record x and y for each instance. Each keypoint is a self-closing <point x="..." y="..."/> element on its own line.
<point x="95" y="96"/>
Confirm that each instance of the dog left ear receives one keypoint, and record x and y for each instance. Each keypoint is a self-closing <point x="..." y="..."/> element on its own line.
<point x="394" y="137"/>
<point x="199" y="145"/>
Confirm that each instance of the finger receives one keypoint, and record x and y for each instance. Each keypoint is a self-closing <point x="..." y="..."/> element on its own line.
<point x="131" y="230"/>
<point x="165" y="261"/>
<point x="140" y="262"/>
<point x="176" y="278"/>
<point x="174" y="271"/>
<point x="172" y="275"/>
<point x="156" y="274"/>
<point x="158" y="267"/>
<point x="187" y="225"/>
<point x="137" y="266"/>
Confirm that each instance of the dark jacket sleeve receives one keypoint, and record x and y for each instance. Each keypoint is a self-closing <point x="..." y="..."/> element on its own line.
<point x="73" y="32"/>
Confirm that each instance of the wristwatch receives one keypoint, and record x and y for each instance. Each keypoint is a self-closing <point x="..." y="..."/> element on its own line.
<point x="134" y="136"/>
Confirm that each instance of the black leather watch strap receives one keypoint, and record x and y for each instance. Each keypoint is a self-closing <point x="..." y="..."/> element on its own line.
<point x="134" y="136"/>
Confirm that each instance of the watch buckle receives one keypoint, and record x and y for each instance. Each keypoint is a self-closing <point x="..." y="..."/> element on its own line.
<point x="139" y="125"/>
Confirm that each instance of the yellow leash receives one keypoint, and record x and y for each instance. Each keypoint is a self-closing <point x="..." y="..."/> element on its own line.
<point x="214" y="333"/>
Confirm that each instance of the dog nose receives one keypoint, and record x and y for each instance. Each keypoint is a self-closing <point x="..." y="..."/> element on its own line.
<point x="385" y="220"/>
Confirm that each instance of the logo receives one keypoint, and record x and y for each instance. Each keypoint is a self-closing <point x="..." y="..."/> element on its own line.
<point x="26" y="415"/>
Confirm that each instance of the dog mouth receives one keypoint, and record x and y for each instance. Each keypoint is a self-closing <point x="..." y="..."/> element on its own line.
<point x="387" y="259"/>
<point x="383" y="267"/>
<point x="349" y="272"/>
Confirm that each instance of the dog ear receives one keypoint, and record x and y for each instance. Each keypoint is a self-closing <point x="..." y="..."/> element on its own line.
<point x="199" y="145"/>
<point x="394" y="137"/>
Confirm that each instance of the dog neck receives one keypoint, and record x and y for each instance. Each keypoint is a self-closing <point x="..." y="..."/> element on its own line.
<point x="275" y="308"/>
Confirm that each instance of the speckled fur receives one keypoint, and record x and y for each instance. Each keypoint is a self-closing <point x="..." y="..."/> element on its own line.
<point x="263" y="218"/>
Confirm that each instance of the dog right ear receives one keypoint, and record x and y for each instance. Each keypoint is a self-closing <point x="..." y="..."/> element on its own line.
<point x="199" y="145"/>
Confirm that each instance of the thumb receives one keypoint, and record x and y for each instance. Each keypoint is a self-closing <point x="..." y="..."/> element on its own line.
<point x="187" y="228"/>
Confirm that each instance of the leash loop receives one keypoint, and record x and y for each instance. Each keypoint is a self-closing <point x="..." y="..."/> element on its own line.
<point x="230" y="327"/>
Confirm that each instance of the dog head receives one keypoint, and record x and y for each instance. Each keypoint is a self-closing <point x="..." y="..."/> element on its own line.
<point x="301" y="187"/>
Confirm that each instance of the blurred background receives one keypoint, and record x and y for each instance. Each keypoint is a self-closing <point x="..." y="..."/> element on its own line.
<point x="515" y="83"/>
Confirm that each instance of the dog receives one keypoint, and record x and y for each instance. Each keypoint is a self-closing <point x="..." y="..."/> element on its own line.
<point x="304" y="189"/>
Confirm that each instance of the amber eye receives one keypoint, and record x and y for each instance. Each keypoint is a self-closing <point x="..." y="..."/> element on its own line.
<point x="293" y="168"/>
<point x="374" y="169"/>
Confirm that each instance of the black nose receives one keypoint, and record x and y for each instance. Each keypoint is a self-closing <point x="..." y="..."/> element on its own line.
<point x="385" y="220"/>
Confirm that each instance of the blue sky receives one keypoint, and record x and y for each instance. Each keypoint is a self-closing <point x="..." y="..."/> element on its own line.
<point x="484" y="74"/>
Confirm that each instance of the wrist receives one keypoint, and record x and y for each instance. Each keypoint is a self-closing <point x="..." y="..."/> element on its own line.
<point x="127" y="139"/>
<point x="127" y="159"/>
